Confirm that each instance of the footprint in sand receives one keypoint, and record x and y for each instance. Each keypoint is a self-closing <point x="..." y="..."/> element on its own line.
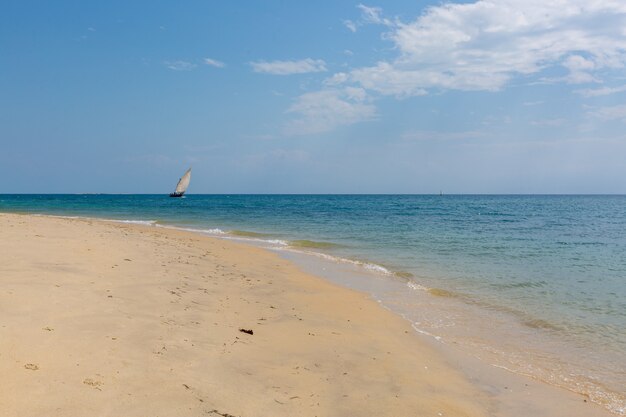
<point x="31" y="366"/>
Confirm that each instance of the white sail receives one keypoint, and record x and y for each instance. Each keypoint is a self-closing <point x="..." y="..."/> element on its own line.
<point x="183" y="183"/>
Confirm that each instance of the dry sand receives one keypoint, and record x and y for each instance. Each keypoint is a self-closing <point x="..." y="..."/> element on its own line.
<point x="107" y="319"/>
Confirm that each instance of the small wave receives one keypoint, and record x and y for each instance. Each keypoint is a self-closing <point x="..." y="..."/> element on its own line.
<point x="231" y="236"/>
<point x="366" y="265"/>
<point x="216" y="231"/>
<point x="437" y="292"/>
<point x="424" y="332"/>
<point x="312" y="244"/>
<point x="375" y="267"/>
<point x="245" y="233"/>
<point x="278" y="242"/>
<point x="415" y="286"/>
<point x="142" y="222"/>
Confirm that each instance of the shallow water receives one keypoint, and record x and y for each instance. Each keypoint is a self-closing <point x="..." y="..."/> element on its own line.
<point x="533" y="283"/>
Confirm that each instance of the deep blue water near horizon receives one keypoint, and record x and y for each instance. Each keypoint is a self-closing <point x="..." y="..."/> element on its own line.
<point x="555" y="262"/>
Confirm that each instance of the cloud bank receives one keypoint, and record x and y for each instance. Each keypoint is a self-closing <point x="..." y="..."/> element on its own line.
<point x="484" y="45"/>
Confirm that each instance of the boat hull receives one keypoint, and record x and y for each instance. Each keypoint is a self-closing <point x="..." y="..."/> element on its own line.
<point x="177" y="194"/>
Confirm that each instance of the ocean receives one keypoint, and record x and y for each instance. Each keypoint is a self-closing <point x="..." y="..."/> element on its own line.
<point x="532" y="283"/>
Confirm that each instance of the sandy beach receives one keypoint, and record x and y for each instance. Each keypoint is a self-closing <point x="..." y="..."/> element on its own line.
<point x="107" y="319"/>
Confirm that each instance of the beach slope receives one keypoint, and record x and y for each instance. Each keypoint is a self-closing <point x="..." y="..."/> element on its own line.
<point x="101" y="318"/>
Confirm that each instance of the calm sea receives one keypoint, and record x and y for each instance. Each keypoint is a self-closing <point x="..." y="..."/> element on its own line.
<point x="536" y="284"/>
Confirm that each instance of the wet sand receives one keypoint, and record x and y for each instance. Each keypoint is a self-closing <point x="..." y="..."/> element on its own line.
<point x="106" y="319"/>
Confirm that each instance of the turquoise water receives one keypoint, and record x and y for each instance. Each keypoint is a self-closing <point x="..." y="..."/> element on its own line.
<point x="551" y="269"/>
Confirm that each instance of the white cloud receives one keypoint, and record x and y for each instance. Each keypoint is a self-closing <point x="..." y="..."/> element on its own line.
<point x="355" y="94"/>
<point x="479" y="46"/>
<point x="289" y="67"/>
<point x="350" y="25"/>
<point x="603" y="91"/>
<point x="373" y="15"/>
<point x="579" y="70"/>
<point x="610" y="113"/>
<point x="369" y="16"/>
<point x="577" y="63"/>
<point x="385" y="78"/>
<point x="325" y="110"/>
<point x="214" y="63"/>
<point x="180" y="65"/>
<point x="483" y="45"/>
<point x="336" y="79"/>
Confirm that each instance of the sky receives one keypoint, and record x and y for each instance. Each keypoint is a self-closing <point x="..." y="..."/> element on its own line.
<point x="488" y="96"/>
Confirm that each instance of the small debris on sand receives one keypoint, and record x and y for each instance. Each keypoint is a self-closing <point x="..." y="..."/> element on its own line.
<point x="92" y="383"/>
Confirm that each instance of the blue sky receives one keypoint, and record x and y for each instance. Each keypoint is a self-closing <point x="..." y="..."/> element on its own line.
<point x="494" y="96"/>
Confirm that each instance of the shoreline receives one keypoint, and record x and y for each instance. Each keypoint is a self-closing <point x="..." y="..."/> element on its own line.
<point x="458" y="388"/>
<point x="515" y="391"/>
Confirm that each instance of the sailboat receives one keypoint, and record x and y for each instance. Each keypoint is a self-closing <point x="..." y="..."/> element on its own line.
<point x="182" y="185"/>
